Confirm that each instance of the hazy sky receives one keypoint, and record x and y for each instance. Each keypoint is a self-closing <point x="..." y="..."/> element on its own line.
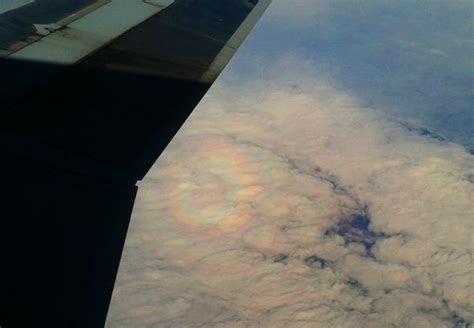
<point x="324" y="180"/>
<point x="410" y="59"/>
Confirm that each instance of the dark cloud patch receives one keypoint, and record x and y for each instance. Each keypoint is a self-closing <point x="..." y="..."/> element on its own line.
<point x="356" y="229"/>
<point x="314" y="261"/>
<point x="356" y="285"/>
<point x="281" y="258"/>
<point x="459" y="322"/>
<point x="422" y="131"/>
<point x="456" y="320"/>
<point x="470" y="178"/>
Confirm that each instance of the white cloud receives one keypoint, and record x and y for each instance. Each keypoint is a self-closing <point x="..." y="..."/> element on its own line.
<point x="254" y="216"/>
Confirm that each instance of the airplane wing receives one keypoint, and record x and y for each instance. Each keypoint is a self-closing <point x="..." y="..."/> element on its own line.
<point x="92" y="91"/>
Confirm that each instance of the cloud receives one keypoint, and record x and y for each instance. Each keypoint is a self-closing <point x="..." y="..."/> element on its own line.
<point x="283" y="202"/>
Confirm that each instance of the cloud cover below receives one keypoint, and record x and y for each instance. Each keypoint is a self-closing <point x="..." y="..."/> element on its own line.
<point x="284" y="201"/>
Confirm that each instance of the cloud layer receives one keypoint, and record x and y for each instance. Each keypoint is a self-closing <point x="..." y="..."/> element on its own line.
<point x="284" y="201"/>
<point x="278" y="206"/>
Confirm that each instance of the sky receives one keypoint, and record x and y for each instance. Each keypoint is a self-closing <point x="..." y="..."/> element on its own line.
<point x="325" y="180"/>
<point x="412" y="60"/>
